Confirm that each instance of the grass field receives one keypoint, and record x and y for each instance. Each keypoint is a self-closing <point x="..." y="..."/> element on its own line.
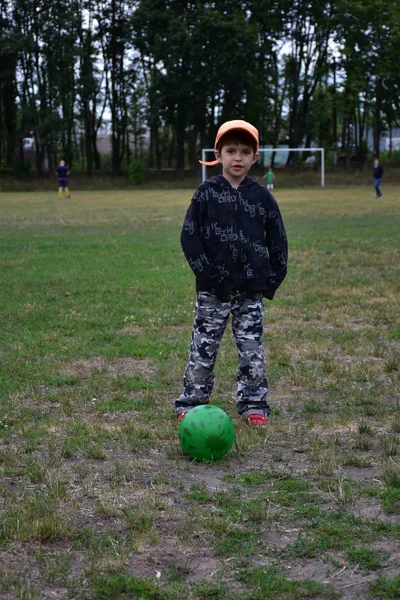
<point x="290" y="177"/>
<point x="97" y="499"/>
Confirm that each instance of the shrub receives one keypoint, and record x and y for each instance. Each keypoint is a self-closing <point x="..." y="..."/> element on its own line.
<point x="24" y="167"/>
<point x="137" y="172"/>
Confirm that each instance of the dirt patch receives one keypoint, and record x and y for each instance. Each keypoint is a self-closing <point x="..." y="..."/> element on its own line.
<point x="344" y="579"/>
<point x="122" y="367"/>
<point x="162" y="560"/>
<point x="132" y="330"/>
<point x="371" y="509"/>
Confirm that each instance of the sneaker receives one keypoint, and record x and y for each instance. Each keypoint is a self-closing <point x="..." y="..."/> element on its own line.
<point x="257" y="420"/>
<point x="181" y="415"/>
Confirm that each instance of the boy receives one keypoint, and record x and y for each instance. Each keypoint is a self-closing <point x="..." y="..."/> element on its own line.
<point x="235" y="242"/>
<point x="378" y="174"/>
<point x="270" y="177"/>
<point x="62" y="174"/>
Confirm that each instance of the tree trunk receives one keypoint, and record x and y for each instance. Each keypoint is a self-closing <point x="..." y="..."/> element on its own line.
<point x="150" y="158"/>
<point x="88" y="142"/>
<point x="158" y="152"/>
<point x="97" y="160"/>
<point x="180" y="140"/>
<point x="192" y="148"/>
<point x="171" y="150"/>
<point x="377" y="118"/>
<point x="334" y="109"/>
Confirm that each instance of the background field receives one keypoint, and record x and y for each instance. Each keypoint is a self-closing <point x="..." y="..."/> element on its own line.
<point x="291" y="177"/>
<point x="97" y="499"/>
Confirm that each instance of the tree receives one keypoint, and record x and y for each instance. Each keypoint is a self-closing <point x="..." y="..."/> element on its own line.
<point x="371" y="58"/>
<point x="113" y="28"/>
<point x="92" y="100"/>
<point x="8" y="86"/>
<point x="309" y="28"/>
<point x="47" y="31"/>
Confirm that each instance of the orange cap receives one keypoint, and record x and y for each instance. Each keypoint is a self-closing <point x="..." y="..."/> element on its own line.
<point x="237" y="125"/>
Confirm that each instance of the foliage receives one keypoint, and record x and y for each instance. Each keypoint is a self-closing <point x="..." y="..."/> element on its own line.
<point x="384" y="587"/>
<point x="387" y="158"/>
<point x="137" y="171"/>
<point x="322" y="73"/>
<point x="23" y="167"/>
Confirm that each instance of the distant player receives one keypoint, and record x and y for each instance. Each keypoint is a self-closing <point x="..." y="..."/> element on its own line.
<point x="62" y="174"/>
<point x="378" y="175"/>
<point x="270" y="177"/>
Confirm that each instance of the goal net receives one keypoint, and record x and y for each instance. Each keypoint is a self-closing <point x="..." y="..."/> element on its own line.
<point x="266" y="159"/>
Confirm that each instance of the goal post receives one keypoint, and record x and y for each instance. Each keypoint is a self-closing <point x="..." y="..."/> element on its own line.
<point x="322" y="150"/>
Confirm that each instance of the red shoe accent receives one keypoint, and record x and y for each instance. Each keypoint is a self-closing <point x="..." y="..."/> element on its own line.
<point x="257" y="420"/>
<point x="181" y="415"/>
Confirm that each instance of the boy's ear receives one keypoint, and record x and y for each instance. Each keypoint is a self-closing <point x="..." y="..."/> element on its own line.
<point x="256" y="157"/>
<point x="217" y="155"/>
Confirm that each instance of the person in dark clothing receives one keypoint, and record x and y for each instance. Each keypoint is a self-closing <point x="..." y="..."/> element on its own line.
<point x="378" y="175"/>
<point x="62" y="174"/>
<point x="235" y="242"/>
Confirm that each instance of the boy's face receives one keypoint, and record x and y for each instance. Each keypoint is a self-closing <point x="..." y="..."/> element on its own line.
<point x="62" y="163"/>
<point x="236" y="159"/>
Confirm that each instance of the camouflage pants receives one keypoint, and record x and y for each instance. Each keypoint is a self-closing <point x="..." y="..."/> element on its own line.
<point x="211" y="318"/>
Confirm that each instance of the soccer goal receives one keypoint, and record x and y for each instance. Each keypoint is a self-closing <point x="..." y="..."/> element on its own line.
<point x="270" y="150"/>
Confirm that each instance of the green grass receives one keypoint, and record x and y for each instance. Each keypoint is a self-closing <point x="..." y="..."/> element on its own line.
<point x="96" y="495"/>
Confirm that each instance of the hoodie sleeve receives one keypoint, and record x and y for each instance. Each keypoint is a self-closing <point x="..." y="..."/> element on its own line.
<point x="191" y="240"/>
<point x="277" y="246"/>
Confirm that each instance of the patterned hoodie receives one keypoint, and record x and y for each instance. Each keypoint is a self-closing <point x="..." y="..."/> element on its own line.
<point x="234" y="239"/>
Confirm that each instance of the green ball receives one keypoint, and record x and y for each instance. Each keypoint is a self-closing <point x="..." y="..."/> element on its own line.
<point x="206" y="432"/>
